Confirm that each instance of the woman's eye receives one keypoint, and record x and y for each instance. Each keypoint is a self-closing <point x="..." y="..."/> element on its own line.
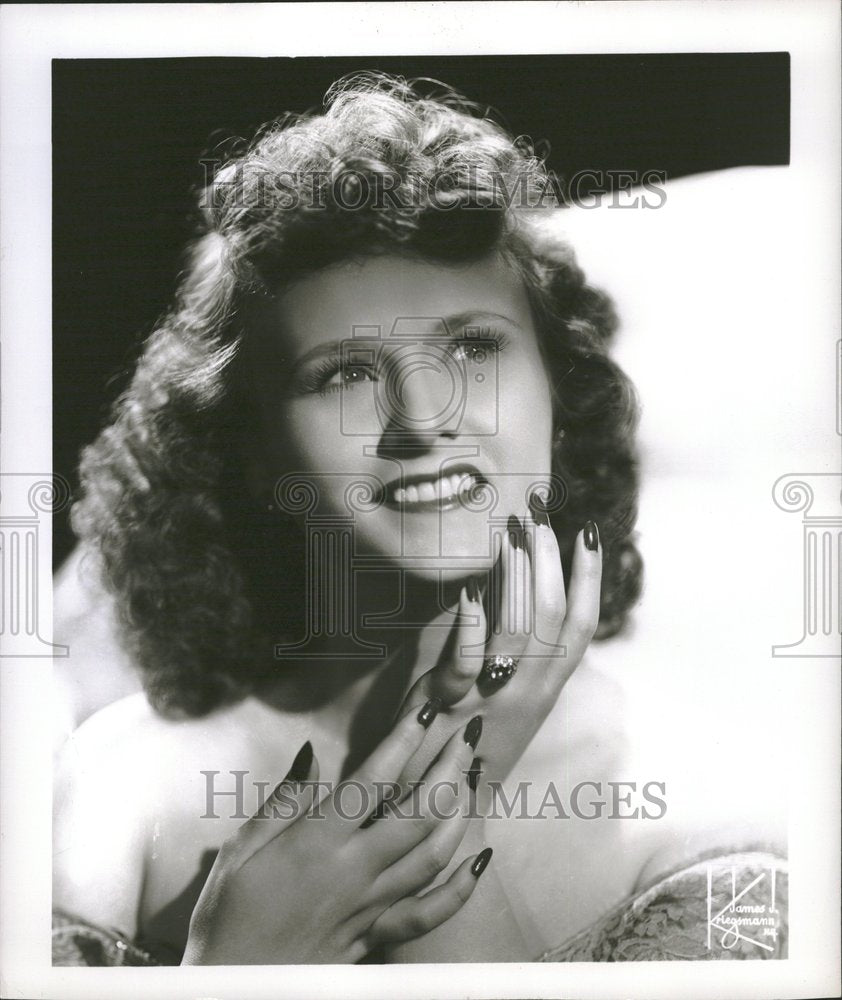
<point x="466" y="351"/>
<point x="332" y="376"/>
<point x="476" y="351"/>
<point x="351" y="375"/>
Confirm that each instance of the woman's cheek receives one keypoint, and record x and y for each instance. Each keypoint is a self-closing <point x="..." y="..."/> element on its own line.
<point x="313" y="441"/>
<point x="526" y="414"/>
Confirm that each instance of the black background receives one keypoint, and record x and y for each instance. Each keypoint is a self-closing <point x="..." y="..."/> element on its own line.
<point x="129" y="134"/>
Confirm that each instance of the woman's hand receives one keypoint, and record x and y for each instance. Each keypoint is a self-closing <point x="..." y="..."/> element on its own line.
<point x="303" y="882"/>
<point x="532" y="619"/>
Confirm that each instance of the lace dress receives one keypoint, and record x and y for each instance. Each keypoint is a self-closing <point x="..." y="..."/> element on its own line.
<point x="731" y="906"/>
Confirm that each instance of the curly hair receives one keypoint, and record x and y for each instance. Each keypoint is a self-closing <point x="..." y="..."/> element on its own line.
<point x="383" y="170"/>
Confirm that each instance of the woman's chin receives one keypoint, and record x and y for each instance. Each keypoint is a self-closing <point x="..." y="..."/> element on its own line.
<point x="447" y="571"/>
<point x="446" y="549"/>
<point x="464" y="557"/>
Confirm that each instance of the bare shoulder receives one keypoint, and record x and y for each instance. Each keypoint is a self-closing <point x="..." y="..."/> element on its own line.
<point x="580" y="777"/>
<point x="603" y="822"/>
<point x="123" y="776"/>
<point x="130" y="733"/>
<point x="99" y="816"/>
<point x="120" y="744"/>
<point x="97" y="669"/>
<point x="647" y="833"/>
<point x="588" y="730"/>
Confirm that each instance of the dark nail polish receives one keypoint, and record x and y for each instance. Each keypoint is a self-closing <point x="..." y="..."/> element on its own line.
<point x="472" y="589"/>
<point x="474" y="774"/>
<point x="591" y="536"/>
<point x="429" y="712"/>
<point x="481" y="863"/>
<point x="539" y="512"/>
<point x="515" y="531"/>
<point x="301" y="765"/>
<point x="473" y="731"/>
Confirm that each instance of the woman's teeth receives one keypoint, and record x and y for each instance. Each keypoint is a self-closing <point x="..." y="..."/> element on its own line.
<point x="432" y="490"/>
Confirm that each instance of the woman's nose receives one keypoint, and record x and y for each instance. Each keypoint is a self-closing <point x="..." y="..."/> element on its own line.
<point x="422" y="391"/>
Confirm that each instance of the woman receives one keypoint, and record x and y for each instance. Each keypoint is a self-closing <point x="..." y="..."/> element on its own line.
<point x="375" y="464"/>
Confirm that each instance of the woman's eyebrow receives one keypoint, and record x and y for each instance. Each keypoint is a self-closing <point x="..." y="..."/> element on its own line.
<point x="474" y="317"/>
<point x="452" y="323"/>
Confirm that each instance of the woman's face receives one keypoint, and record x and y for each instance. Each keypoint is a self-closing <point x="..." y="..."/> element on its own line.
<point x="423" y="381"/>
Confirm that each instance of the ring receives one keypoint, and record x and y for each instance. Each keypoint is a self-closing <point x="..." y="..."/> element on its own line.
<point x="498" y="669"/>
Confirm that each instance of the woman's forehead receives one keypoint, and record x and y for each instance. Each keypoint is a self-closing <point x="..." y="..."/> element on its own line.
<point x="374" y="295"/>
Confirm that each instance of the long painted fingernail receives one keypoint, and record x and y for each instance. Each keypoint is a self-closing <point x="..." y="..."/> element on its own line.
<point x="481" y="863"/>
<point x="515" y="530"/>
<point x="539" y="512"/>
<point x="429" y="712"/>
<point x="472" y="589"/>
<point x="591" y="536"/>
<point x="301" y="765"/>
<point x="473" y="774"/>
<point x="473" y="731"/>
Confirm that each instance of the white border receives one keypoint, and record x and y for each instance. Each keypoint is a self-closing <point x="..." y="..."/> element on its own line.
<point x="31" y="36"/>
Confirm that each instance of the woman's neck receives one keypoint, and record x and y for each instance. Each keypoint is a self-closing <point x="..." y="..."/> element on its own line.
<point x="353" y="680"/>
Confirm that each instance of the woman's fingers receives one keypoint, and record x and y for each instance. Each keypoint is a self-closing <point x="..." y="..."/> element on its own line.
<point x="427" y="859"/>
<point x="290" y="800"/>
<point x="380" y="771"/>
<point x="582" y="615"/>
<point x="511" y="596"/>
<point x="548" y="580"/>
<point x="514" y="613"/>
<point x="418" y="915"/>
<point x="454" y="677"/>
<point x="441" y="794"/>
